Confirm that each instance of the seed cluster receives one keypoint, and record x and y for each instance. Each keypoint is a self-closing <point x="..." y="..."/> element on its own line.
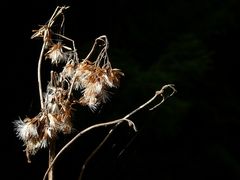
<point x="90" y="79"/>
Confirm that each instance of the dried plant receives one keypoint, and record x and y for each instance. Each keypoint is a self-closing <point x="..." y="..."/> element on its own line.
<point x="85" y="82"/>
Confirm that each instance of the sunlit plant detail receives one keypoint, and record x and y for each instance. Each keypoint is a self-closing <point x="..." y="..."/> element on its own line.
<point x="90" y="79"/>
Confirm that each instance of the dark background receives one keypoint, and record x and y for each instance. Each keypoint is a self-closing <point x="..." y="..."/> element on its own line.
<point x="192" y="44"/>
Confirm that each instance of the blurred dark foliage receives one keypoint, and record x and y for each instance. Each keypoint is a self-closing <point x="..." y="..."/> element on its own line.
<point x="192" y="44"/>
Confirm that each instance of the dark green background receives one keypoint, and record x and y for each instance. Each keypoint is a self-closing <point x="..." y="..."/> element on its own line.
<point x="192" y="44"/>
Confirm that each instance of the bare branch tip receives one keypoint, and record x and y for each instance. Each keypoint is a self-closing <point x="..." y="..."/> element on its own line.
<point x="131" y="124"/>
<point x="164" y="97"/>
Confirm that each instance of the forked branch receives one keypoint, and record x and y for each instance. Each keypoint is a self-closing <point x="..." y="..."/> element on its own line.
<point x="116" y="122"/>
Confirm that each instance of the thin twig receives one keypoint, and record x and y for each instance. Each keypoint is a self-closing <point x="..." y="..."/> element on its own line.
<point x="51" y="152"/>
<point x="116" y="122"/>
<point x="94" y="46"/>
<point x="96" y="149"/>
<point x="73" y="44"/>
<point x="83" y="132"/>
<point x="160" y="92"/>
<point x="56" y="13"/>
<point x="164" y="98"/>
<point x="52" y="143"/>
<point x="39" y="74"/>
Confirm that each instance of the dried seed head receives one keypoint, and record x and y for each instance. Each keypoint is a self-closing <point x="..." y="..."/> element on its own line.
<point x="56" y="54"/>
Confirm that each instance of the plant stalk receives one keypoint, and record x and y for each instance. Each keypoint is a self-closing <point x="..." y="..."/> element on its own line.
<point x="52" y="153"/>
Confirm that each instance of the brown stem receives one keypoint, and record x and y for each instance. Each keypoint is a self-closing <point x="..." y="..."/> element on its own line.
<point x="96" y="149"/>
<point x="91" y="51"/>
<point x="83" y="132"/>
<point x="52" y="153"/>
<point x="39" y="75"/>
<point x="116" y="122"/>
